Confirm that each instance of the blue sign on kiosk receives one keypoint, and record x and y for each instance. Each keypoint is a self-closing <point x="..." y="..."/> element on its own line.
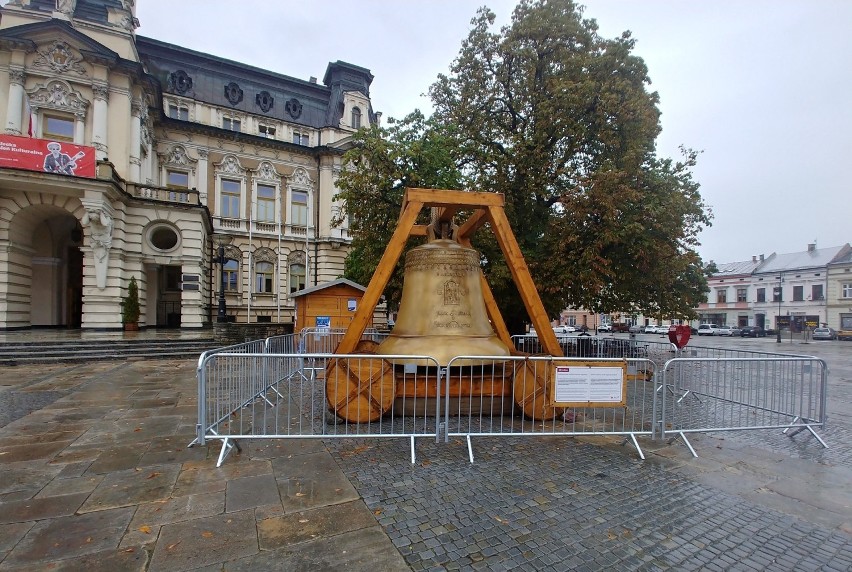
<point x="323" y="322"/>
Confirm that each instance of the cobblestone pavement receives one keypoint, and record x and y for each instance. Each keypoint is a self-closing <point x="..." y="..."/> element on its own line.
<point x="563" y="504"/>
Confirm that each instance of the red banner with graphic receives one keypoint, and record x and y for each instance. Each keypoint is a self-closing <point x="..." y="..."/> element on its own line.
<point x="47" y="156"/>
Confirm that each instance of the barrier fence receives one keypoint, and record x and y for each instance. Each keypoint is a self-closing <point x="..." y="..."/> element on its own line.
<point x="731" y="394"/>
<point x="283" y="387"/>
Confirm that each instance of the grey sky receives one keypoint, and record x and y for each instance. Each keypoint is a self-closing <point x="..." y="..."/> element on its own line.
<point x="762" y="87"/>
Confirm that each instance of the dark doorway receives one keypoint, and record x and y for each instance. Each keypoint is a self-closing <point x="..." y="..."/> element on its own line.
<point x="74" y="305"/>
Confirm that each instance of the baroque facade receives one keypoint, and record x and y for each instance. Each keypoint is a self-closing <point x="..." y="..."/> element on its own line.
<point x="208" y="175"/>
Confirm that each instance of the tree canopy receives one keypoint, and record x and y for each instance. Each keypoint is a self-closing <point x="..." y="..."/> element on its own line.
<point x="562" y="123"/>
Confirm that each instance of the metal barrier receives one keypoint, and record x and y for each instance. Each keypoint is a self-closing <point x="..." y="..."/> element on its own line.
<point x="731" y="394"/>
<point x="266" y="396"/>
<point x="265" y="389"/>
<point x="483" y="400"/>
<point x="601" y="347"/>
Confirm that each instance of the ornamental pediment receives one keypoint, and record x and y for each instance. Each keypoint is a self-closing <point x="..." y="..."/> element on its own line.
<point x="57" y="95"/>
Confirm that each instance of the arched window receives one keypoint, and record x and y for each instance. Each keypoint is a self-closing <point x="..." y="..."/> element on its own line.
<point x="297" y="277"/>
<point x="263" y="277"/>
<point x="356" y="118"/>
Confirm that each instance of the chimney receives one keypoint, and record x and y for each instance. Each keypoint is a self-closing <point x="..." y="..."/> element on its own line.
<point x="754" y="258"/>
<point x="761" y="258"/>
<point x="313" y="79"/>
<point x="811" y="247"/>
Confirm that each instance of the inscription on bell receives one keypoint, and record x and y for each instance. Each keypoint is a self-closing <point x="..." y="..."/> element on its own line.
<point x="452" y="320"/>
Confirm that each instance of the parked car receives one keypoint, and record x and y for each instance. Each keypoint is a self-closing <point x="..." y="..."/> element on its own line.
<point x="752" y="332"/>
<point x="605" y="328"/>
<point x="735" y="331"/>
<point x="824" y="334"/>
<point x="563" y="330"/>
<point x="706" y="329"/>
<point x="635" y="329"/>
<point x="619" y="327"/>
<point x="844" y="334"/>
<point x="650" y="330"/>
<point x="723" y="331"/>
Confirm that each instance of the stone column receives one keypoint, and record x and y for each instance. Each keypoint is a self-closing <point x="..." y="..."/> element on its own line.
<point x="16" y="102"/>
<point x="100" y="110"/>
<point x="202" y="176"/>
<point x="135" y="140"/>
<point x="80" y="131"/>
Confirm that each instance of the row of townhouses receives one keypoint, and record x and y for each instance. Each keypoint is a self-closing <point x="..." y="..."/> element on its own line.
<point x="801" y="290"/>
<point x="126" y="157"/>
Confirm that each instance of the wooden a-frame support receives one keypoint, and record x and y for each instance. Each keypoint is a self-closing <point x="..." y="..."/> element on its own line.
<point x="488" y="209"/>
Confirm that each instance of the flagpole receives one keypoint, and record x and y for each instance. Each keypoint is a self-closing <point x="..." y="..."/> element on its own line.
<point x="278" y="296"/>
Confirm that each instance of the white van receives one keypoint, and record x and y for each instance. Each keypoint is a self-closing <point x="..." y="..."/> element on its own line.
<point x="707" y="329"/>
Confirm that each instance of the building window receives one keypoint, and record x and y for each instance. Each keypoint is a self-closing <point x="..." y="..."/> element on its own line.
<point x="742" y="294"/>
<point x="231" y="270"/>
<point x="721" y="296"/>
<point x="300" y="138"/>
<point x="816" y="292"/>
<point x="846" y="290"/>
<point x="777" y="294"/>
<point x="58" y="128"/>
<point x="356" y="118"/>
<point x="177" y="179"/>
<point x="761" y="294"/>
<point x="265" y="203"/>
<point x="179" y="112"/>
<point x="263" y="277"/>
<point x="300" y="209"/>
<point x="230" y="123"/>
<point x="798" y="293"/>
<point x="297" y="277"/>
<point x="230" y="199"/>
<point x="266" y="131"/>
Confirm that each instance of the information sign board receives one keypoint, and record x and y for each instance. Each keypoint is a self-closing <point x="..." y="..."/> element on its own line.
<point x="589" y="384"/>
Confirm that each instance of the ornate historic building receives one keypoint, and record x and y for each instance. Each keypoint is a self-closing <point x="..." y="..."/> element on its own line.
<point x="123" y="156"/>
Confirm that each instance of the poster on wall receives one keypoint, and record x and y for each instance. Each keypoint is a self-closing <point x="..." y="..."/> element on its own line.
<point x="47" y="156"/>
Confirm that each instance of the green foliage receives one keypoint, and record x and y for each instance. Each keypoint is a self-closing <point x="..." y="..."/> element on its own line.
<point x="410" y="152"/>
<point x="560" y="121"/>
<point x="130" y="304"/>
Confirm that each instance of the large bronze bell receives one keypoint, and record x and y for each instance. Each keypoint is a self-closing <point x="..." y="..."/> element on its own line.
<point x="442" y="312"/>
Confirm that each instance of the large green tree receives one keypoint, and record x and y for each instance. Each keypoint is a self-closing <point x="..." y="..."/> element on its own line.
<point x="562" y="122"/>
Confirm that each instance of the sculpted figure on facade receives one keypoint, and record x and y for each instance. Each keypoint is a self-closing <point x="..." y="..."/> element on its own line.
<point x="100" y="226"/>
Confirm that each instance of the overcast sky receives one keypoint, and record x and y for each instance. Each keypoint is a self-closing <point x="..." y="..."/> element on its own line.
<point x="761" y="87"/>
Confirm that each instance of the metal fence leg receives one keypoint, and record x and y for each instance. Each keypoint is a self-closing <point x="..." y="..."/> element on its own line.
<point x="226" y="450"/>
<point x="469" y="449"/>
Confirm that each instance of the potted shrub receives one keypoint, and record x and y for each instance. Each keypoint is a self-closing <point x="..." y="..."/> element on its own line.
<point x="130" y="307"/>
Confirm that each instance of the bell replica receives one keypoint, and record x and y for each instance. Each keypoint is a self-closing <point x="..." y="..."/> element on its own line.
<point x="442" y="312"/>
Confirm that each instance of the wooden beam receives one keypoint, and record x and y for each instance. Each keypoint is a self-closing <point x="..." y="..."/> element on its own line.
<point x="380" y="278"/>
<point x="448" y="198"/>
<point x="523" y="280"/>
<point x="418" y="230"/>
<point x="472" y="224"/>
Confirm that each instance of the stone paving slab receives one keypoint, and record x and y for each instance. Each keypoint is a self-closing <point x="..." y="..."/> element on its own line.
<point x="132" y="487"/>
<point x="41" y="508"/>
<point x="205" y="541"/>
<point x="69" y="537"/>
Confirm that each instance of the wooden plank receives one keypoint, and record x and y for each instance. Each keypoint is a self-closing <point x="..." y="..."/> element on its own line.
<point x="380" y="278"/>
<point x="419" y="230"/>
<point x="472" y="224"/>
<point x="447" y="198"/>
<point x="523" y="280"/>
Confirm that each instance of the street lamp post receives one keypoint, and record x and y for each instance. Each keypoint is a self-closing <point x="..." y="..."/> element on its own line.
<point x="221" y="316"/>
<point x="778" y="317"/>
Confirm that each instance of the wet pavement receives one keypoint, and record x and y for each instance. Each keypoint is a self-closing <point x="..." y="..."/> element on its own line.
<point x="97" y="476"/>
